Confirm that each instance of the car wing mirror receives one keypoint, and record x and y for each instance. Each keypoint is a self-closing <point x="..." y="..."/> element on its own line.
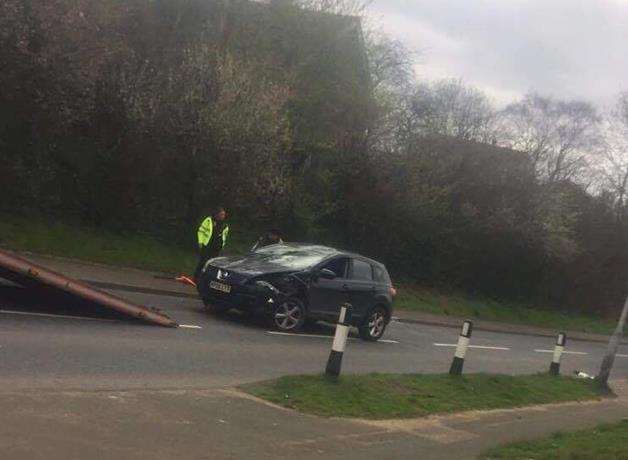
<point x="327" y="274"/>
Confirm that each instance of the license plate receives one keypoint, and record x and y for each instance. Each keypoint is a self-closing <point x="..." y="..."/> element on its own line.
<point x="220" y="287"/>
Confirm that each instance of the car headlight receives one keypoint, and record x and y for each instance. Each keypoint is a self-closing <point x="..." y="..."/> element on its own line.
<point x="267" y="285"/>
<point x="208" y="263"/>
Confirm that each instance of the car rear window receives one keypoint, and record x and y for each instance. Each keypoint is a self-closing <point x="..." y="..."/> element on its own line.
<point x="361" y="270"/>
<point x="381" y="275"/>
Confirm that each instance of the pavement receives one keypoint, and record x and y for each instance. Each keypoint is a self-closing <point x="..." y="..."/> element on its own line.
<point x="223" y="424"/>
<point x="101" y="387"/>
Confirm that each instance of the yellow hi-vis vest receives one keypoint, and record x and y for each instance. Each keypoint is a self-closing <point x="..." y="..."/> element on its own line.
<point x="206" y="230"/>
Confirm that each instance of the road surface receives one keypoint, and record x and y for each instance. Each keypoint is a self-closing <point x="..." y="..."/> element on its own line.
<point x="111" y="388"/>
<point x="40" y="351"/>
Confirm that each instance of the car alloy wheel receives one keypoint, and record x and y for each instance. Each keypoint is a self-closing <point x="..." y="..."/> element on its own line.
<point x="289" y="315"/>
<point x="377" y="323"/>
<point x="374" y="325"/>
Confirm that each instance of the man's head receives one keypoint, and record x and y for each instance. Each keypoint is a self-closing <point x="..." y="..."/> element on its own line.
<point x="220" y="214"/>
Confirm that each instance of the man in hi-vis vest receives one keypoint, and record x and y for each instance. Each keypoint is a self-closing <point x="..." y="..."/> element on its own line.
<point x="212" y="237"/>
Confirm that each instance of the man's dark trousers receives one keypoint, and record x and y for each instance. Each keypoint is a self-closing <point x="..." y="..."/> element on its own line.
<point x="205" y="254"/>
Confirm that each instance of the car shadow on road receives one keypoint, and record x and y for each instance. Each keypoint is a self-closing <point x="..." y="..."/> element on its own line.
<point x="260" y="322"/>
<point x="44" y="301"/>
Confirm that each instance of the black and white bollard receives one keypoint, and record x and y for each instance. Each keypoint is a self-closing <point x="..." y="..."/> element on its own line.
<point x="558" y="351"/>
<point x="461" y="348"/>
<point x="340" y="341"/>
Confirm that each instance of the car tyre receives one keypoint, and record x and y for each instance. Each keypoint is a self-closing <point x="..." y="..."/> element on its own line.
<point x="290" y="315"/>
<point x="374" y="325"/>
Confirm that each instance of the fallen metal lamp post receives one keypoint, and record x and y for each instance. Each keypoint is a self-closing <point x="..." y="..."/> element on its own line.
<point x="31" y="275"/>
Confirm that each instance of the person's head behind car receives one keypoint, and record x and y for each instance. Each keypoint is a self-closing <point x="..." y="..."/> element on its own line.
<point x="220" y="214"/>
<point x="273" y="236"/>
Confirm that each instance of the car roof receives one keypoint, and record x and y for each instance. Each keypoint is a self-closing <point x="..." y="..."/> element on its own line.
<point x="332" y="251"/>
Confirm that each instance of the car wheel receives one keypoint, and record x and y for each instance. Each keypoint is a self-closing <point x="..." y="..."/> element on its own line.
<point x="290" y="315"/>
<point x="374" y="324"/>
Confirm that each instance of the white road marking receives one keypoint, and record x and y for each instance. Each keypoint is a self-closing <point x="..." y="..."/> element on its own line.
<point x="621" y="356"/>
<point x="564" y="352"/>
<point x="320" y="336"/>
<point x="85" y="318"/>
<point x="48" y="315"/>
<point x="481" y="347"/>
<point x="300" y="335"/>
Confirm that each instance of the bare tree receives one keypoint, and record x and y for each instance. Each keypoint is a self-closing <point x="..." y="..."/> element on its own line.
<point x="558" y="135"/>
<point x="614" y="161"/>
<point x="337" y="7"/>
<point x="390" y="62"/>
<point x="342" y="7"/>
<point x="451" y="108"/>
<point x="391" y="77"/>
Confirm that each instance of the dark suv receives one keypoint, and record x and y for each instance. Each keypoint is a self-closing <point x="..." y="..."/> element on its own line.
<point x="293" y="283"/>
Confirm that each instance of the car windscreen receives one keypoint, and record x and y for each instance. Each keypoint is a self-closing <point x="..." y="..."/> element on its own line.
<point x="291" y="257"/>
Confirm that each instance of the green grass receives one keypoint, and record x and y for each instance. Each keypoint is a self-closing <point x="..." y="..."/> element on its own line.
<point x="385" y="396"/>
<point x="607" y="442"/>
<point x="413" y="298"/>
<point x="96" y="245"/>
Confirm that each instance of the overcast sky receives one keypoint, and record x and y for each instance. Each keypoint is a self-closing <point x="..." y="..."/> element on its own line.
<point x="567" y="48"/>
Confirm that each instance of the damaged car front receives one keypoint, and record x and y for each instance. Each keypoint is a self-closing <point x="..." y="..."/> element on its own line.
<point x="272" y="280"/>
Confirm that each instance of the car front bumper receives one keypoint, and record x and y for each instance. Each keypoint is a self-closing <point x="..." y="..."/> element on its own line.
<point x="241" y="296"/>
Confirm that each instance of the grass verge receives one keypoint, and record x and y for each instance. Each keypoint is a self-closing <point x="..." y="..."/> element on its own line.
<point x="606" y="442"/>
<point x="94" y="245"/>
<point x="386" y="396"/>
<point x="413" y="298"/>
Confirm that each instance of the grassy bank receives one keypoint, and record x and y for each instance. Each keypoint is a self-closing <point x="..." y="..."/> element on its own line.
<point x="102" y="246"/>
<point x="413" y="298"/>
<point x="383" y="396"/>
<point x="607" y="442"/>
<point x="142" y="251"/>
<point x="94" y="245"/>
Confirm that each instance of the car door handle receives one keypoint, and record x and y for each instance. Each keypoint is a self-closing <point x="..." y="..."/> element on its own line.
<point x="345" y="287"/>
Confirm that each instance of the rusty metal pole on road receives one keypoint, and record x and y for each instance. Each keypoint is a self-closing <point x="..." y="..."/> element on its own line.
<point x="22" y="271"/>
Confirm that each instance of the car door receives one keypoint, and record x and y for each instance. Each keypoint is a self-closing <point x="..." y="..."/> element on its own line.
<point x="326" y="295"/>
<point x="361" y="287"/>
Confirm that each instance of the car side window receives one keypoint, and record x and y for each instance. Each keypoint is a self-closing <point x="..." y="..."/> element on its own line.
<point x="339" y="266"/>
<point x="361" y="270"/>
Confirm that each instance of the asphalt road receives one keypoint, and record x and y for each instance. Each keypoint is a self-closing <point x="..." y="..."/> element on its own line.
<point x="106" y="387"/>
<point x="41" y="352"/>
